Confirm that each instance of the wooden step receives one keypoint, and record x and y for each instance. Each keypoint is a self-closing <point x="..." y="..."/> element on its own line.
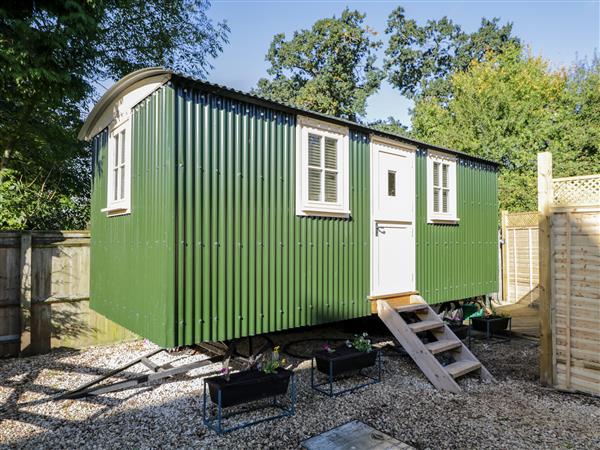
<point x="461" y="368"/>
<point x="412" y="307"/>
<point x="443" y="346"/>
<point x="425" y="325"/>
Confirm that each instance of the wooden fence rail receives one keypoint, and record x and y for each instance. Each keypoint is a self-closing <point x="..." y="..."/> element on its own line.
<point x="44" y="294"/>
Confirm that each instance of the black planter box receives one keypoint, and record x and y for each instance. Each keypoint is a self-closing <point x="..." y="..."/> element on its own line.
<point x="496" y="324"/>
<point x="248" y="386"/>
<point x="461" y="331"/>
<point x="344" y="359"/>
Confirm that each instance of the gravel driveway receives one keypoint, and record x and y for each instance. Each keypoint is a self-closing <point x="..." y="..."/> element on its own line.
<point x="513" y="413"/>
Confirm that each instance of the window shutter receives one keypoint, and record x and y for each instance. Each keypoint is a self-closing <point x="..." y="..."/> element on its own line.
<point x="445" y="175"/>
<point x="314" y="171"/>
<point x="331" y="187"/>
<point x="436" y="173"/>
<point x="445" y="200"/>
<point x="331" y="174"/>
<point x="436" y="200"/>
<point x="330" y="153"/>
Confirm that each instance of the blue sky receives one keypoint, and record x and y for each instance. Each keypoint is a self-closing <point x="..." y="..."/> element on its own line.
<point x="560" y="31"/>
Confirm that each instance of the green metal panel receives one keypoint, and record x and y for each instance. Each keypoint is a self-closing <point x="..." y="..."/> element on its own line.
<point x="132" y="256"/>
<point x="213" y="248"/>
<point x="246" y="264"/>
<point x="459" y="261"/>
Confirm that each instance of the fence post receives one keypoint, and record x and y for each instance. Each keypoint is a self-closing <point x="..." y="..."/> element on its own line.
<point x="25" y="291"/>
<point x="545" y="198"/>
<point x="503" y="256"/>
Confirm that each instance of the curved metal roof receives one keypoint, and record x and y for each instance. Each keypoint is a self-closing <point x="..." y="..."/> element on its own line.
<point x="127" y="81"/>
<point x="114" y="92"/>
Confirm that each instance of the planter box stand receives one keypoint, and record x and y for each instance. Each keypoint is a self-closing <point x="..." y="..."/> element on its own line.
<point x="489" y="333"/>
<point x="329" y="391"/>
<point x="215" y="422"/>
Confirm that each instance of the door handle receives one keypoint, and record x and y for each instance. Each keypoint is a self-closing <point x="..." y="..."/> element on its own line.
<point x="379" y="229"/>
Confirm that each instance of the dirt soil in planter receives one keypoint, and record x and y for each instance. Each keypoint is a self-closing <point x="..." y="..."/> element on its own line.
<point x="516" y="412"/>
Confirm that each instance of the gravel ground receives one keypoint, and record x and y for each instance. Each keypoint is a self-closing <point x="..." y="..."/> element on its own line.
<point x="513" y="413"/>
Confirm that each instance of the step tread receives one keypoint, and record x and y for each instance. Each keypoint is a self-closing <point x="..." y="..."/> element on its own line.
<point x="425" y="325"/>
<point x="460" y="368"/>
<point x="443" y="345"/>
<point x="412" y="307"/>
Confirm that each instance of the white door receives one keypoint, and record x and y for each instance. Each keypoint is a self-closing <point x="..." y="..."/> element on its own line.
<point x="393" y="219"/>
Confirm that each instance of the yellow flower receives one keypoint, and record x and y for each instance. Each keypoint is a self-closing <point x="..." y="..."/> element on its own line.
<point x="276" y="349"/>
<point x="283" y="361"/>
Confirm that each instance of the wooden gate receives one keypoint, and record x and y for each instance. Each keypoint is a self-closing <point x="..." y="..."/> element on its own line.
<point x="569" y="280"/>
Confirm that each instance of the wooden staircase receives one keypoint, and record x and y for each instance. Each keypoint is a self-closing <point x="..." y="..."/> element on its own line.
<point x="441" y="376"/>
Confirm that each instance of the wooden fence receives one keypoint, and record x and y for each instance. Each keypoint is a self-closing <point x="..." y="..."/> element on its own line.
<point x="44" y="294"/>
<point x="569" y="280"/>
<point x="520" y="268"/>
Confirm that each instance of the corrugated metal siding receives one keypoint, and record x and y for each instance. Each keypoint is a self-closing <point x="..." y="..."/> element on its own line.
<point x="246" y="264"/>
<point x="132" y="270"/>
<point x="213" y="248"/>
<point x="459" y="261"/>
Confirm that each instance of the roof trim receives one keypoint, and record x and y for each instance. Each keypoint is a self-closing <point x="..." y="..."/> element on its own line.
<point x="120" y="86"/>
<point x="116" y="91"/>
<point x="225" y="91"/>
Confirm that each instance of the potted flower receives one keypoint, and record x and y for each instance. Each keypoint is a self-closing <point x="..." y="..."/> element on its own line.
<point x="268" y="379"/>
<point x="356" y="354"/>
<point x="490" y="323"/>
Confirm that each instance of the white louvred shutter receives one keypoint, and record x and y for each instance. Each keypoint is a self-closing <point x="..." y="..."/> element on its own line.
<point x="331" y="175"/>
<point x="314" y="169"/>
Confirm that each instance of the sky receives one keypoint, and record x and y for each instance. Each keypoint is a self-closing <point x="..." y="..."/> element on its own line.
<point x="559" y="31"/>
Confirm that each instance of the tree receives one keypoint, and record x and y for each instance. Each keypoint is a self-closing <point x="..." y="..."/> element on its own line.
<point x="508" y="108"/>
<point x="390" y="125"/>
<point x="420" y="59"/>
<point x="581" y="127"/>
<point x="329" y="68"/>
<point x="54" y="56"/>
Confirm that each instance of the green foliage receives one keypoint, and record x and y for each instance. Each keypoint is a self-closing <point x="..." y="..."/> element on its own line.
<point x="274" y="362"/>
<point x="362" y="343"/>
<point x="508" y="108"/>
<point x="420" y="59"/>
<point x="53" y="55"/>
<point x="329" y="68"/>
<point x="390" y="125"/>
<point x="30" y="205"/>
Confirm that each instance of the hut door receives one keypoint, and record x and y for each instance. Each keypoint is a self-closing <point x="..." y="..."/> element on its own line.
<point x="393" y="219"/>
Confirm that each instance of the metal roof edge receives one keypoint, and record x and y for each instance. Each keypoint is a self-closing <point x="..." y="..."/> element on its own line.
<point x="262" y="101"/>
<point x="114" y="92"/>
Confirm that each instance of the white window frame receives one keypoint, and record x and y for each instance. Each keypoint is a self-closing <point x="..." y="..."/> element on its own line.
<point x="122" y="205"/>
<point x="451" y="216"/>
<point x="304" y="206"/>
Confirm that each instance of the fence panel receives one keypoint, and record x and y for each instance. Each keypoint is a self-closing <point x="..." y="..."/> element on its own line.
<point x="520" y="257"/>
<point x="10" y="293"/>
<point x="575" y="269"/>
<point x="44" y="294"/>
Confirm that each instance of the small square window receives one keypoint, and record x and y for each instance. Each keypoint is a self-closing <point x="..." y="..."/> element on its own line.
<point x="441" y="187"/>
<point x="322" y="169"/>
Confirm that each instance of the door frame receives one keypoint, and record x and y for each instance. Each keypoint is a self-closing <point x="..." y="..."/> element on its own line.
<point x="373" y="221"/>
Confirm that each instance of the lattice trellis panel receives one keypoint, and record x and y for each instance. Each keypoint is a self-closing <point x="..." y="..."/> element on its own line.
<point x="577" y="191"/>
<point x="522" y="220"/>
